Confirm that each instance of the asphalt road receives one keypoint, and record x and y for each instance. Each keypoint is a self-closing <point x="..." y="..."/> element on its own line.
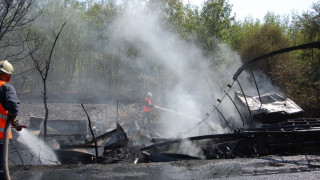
<point x="270" y="167"/>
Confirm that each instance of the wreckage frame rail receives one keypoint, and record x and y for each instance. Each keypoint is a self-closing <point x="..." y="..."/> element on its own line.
<point x="301" y="138"/>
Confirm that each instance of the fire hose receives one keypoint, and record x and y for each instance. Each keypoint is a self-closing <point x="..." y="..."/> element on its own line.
<point x="5" y="149"/>
<point x="186" y="116"/>
<point x="177" y="113"/>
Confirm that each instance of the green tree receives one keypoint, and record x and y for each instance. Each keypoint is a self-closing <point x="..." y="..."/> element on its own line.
<point x="268" y="38"/>
<point x="309" y="26"/>
<point x="213" y="28"/>
<point x="240" y="32"/>
<point x="216" y="18"/>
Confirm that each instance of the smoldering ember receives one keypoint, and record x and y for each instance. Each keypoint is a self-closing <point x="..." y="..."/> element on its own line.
<point x="157" y="89"/>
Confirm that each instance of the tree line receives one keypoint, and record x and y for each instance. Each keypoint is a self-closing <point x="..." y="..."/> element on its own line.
<point x="85" y="63"/>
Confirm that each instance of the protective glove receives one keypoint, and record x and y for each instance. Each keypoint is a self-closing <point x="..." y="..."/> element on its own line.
<point x="13" y="120"/>
<point x="15" y="123"/>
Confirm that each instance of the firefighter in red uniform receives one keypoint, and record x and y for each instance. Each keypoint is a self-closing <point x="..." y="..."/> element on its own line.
<point x="147" y="110"/>
<point x="8" y="106"/>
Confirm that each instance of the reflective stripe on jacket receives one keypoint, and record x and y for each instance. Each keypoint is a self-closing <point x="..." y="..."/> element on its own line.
<point x="3" y="118"/>
<point x="145" y="107"/>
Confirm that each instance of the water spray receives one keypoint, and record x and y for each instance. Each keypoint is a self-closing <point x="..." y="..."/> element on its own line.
<point x="178" y="113"/>
<point x="189" y="117"/>
<point x="5" y="150"/>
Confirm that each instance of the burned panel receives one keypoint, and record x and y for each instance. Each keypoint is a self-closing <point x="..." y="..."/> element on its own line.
<point x="57" y="128"/>
<point x="112" y="139"/>
<point x="268" y="108"/>
<point x="67" y="127"/>
<point x="63" y="131"/>
<point x="35" y="122"/>
<point x="107" y="144"/>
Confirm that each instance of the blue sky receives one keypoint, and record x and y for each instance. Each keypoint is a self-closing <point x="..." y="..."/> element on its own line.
<point x="258" y="8"/>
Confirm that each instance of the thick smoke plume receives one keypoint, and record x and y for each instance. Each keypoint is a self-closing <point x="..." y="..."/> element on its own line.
<point x="195" y="81"/>
<point x="179" y="75"/>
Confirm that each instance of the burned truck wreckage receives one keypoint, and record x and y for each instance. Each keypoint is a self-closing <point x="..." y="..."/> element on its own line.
<point x="278" y="129"/>
<point x="272" y="125"/>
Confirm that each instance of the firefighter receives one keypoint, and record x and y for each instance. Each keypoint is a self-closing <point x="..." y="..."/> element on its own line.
<point x="147" y="108"/>
<point x="8" y="109"/>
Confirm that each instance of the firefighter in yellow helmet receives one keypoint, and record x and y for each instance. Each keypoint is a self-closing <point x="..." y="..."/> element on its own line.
<point x="8" y="107"/>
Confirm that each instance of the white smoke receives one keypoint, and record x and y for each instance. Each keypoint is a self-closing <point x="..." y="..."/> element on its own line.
<point x="198" y="81"/>
<point x="185" y="80"/>
<point x="180" y="77"/>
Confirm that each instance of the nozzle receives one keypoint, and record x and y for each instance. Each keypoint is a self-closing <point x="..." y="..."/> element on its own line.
<point x="17" y="126"/>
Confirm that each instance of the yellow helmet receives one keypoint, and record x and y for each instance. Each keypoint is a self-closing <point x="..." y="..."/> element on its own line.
<point x="6" y="67"/>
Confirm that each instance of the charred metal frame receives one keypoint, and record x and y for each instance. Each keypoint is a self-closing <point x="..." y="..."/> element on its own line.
<point x="112" y="140"/>
<point x="236" y="75"/>
<point x="290" y="136"/>
<point x="223" y="117"/>
<point x="293" y="48"/>
<point x="246" y="102"/>
<point x="299" y="135"/>
<point x="255" y="82"/>
<point x="236" y="108"/>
